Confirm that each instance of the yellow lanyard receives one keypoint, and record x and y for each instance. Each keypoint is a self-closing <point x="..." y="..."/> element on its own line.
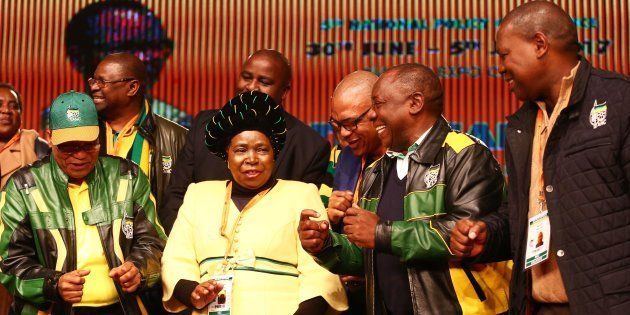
<point x="224" y="218"/>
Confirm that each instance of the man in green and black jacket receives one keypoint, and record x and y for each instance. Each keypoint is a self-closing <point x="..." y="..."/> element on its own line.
<point x="79" y="232"/>
<point x="409" y="201"/>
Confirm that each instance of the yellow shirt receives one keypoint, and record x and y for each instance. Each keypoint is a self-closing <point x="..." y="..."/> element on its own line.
<point x="121" y="145"/>
<point x="98" y="289"/>
<point x="273" y="272"/>
<point x="547" y="285"/>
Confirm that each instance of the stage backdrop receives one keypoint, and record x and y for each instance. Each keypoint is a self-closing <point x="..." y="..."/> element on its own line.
<point x="194" y="49"/>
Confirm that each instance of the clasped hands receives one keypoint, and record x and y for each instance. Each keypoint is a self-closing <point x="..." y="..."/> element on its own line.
<point x="359" y="224"/>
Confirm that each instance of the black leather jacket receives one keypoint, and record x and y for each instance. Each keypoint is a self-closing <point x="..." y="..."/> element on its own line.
<point x="451" y="177"/>
<point x="38" y="239"/>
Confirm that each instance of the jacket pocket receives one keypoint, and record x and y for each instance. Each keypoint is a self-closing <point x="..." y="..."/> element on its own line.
<point x="616" y="281"/>
<point x="616" y="290"/>
<point x="589" y="145"/>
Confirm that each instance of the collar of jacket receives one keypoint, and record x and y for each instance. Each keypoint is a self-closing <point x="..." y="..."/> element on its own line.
<point x="95" y="188"/>
<point x="427" y="152"/>
<point x="146" y="128"/>
<point x="99" y="193"/>
<point x="62" y="179"/>
<point x="525" y="117"/>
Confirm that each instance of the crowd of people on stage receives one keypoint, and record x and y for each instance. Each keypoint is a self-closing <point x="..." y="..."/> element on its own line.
<point x="250" y="211"/>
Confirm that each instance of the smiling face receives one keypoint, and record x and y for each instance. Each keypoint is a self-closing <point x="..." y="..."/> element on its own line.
<point x="519" y="64"/>
<point x="391" y="109"/>
<point x="250" y="159"/>
<point x="353" y="109"/>
<point x="110" y="97"/>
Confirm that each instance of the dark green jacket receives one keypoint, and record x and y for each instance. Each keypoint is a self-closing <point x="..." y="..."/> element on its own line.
<point x="451" y="176"/>
<point x="37" y="234"/>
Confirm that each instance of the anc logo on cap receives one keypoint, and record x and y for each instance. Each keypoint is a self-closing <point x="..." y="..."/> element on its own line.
<point x="73" y="114"/>
<point x="73" y="117"/>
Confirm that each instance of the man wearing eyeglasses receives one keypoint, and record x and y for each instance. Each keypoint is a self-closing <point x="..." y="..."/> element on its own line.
<point x="129" y="128"/>
<point x="366" y="138"/>
<point x="79" y="231"/>
<point x="367" y="141"/>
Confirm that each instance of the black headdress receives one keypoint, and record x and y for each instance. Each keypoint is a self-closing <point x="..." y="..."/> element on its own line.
<point x="247" y="111"/>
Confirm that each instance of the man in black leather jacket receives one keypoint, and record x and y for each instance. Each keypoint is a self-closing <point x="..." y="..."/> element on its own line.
<point x="129" y="129"/>
<point x="409" y="200"/>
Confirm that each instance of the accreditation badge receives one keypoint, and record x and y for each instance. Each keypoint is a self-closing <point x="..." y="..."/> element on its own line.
<point x="538" y="237"/>
<point x="222" y="304"/>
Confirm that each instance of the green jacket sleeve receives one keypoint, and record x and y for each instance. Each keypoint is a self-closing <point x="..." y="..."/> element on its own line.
<point x="340" y="256"/>
<point x="474" y="185"/>
<point x="22" y="273"/>
<point x="149" y="238"/>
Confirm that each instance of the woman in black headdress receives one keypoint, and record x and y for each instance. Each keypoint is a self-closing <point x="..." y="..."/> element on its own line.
<point x="234" y="244"/>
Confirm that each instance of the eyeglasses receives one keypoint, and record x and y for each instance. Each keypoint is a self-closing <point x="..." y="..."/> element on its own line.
<point x="68" y="149"/>
<point x="102" y="83"/>
<point x="349" y="124"/>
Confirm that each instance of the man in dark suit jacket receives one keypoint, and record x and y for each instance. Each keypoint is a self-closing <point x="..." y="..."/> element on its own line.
<point x="303" y="158"/>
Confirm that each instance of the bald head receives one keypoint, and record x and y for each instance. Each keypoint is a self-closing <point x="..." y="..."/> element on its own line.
<point x="131" y="65"/>
<point x="411" y="78"/>
<point x="355" y="88"/>
<point x="352" y="120"/>
<point x="546" y="18"/>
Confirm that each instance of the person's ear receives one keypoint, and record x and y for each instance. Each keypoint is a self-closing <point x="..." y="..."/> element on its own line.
<point x="541" y="44"/>
<point x="285" y="92"/>
<point x="134" y="88"/>
<point x="416" y="103"/>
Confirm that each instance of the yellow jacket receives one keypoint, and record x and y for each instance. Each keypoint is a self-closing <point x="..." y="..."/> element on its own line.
<point x="273" y="274"/>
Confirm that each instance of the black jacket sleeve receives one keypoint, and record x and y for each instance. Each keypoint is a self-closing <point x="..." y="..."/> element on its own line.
<point x="149" y="238"/>
<point x="497" y="246"/>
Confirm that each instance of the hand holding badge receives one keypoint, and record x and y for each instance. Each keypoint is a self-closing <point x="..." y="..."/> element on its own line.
<point x="205" y="293"/>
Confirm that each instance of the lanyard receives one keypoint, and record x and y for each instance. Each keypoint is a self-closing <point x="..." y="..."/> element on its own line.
<point x="355" y="197"/>
<point x="224" y="218"/>
<point x="542" y="137"/>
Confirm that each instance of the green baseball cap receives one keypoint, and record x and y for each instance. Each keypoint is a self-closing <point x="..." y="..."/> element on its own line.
<point x="73" y="117"/>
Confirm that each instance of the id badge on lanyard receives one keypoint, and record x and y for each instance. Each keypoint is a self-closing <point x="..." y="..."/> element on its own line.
<point x="222" y="304"/>
<point x="538" y="239"/>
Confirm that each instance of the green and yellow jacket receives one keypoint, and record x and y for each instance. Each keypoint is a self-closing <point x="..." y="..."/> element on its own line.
<point x="37" y="234"/>
<point x="451" y="176"/>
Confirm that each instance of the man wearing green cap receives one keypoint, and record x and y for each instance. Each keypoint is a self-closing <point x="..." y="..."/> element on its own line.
<point x="79" y="232"/>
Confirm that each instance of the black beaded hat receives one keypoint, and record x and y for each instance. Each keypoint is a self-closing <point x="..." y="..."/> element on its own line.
<point x="247" y="111"/>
